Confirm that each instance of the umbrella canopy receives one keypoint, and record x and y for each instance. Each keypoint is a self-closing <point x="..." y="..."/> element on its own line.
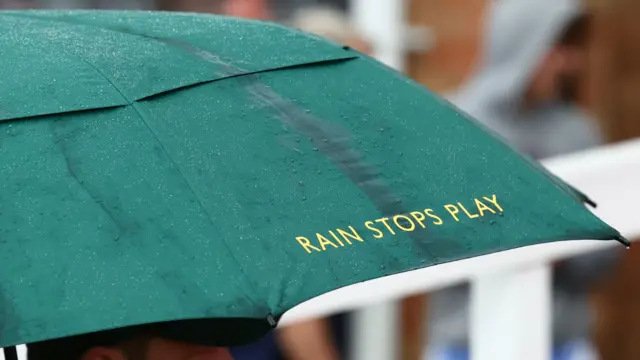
<point x="165" y="166"/>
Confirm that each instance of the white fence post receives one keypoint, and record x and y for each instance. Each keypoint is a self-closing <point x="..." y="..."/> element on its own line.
<point x="382" y="21"/>
<point x="374" y="333"/>
<point x="22" y="353"/>
<point x="511" y="315"/>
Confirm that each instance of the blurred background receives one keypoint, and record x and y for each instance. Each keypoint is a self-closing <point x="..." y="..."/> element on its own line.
<point x="441" y="46"/>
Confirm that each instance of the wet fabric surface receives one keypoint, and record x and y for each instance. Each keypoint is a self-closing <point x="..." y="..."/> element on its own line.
<point x="176" y="172"/>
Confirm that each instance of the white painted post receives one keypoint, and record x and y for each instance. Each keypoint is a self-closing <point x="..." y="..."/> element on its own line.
<point x="374" y="333"/>
<point x="22" y="353"/>
<point x="382" y="21"/>
<point x="374" y="330"/>
<point x="511" y="315"/>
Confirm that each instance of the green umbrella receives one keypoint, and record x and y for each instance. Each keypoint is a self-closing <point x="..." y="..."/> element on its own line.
<point x="165" y="166"/>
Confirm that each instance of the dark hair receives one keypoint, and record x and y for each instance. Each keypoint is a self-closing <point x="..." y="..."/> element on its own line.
<point x="133" y="341"/>
<point x="577" y="32"/>
<point x="223" y="332"/>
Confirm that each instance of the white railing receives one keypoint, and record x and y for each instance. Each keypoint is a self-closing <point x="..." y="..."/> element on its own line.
<point x="511" y="289"/>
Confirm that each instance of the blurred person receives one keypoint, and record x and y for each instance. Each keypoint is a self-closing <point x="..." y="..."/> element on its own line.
<point x="526" y="90"/>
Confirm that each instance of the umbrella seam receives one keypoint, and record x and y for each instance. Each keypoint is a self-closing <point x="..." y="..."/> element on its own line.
<point x="65" y="112"/>
<point x="136" y="108"/>
<point x="249" y="73"/>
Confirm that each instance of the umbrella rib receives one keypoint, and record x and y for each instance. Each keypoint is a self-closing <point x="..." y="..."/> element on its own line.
<point x="247" y="279"/>
<point x="136" y="108"/>
<point x="247" y="73"/>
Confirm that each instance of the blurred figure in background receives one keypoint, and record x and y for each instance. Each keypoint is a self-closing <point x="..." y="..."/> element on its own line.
<point x="318" y="339"/>
<point x="526" y="90"/>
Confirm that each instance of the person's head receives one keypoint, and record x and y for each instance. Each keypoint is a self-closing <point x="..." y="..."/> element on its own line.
<point x="559" y="74"/>
<point x="333" y="25"/>
<point x="122" y="345"/>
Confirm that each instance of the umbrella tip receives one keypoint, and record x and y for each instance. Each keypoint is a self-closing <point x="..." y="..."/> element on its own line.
<point x="583" y="197"/>
<point x="624" y="241"/>
<point x="271" y="320"/>
<point x="590" y="202"/>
